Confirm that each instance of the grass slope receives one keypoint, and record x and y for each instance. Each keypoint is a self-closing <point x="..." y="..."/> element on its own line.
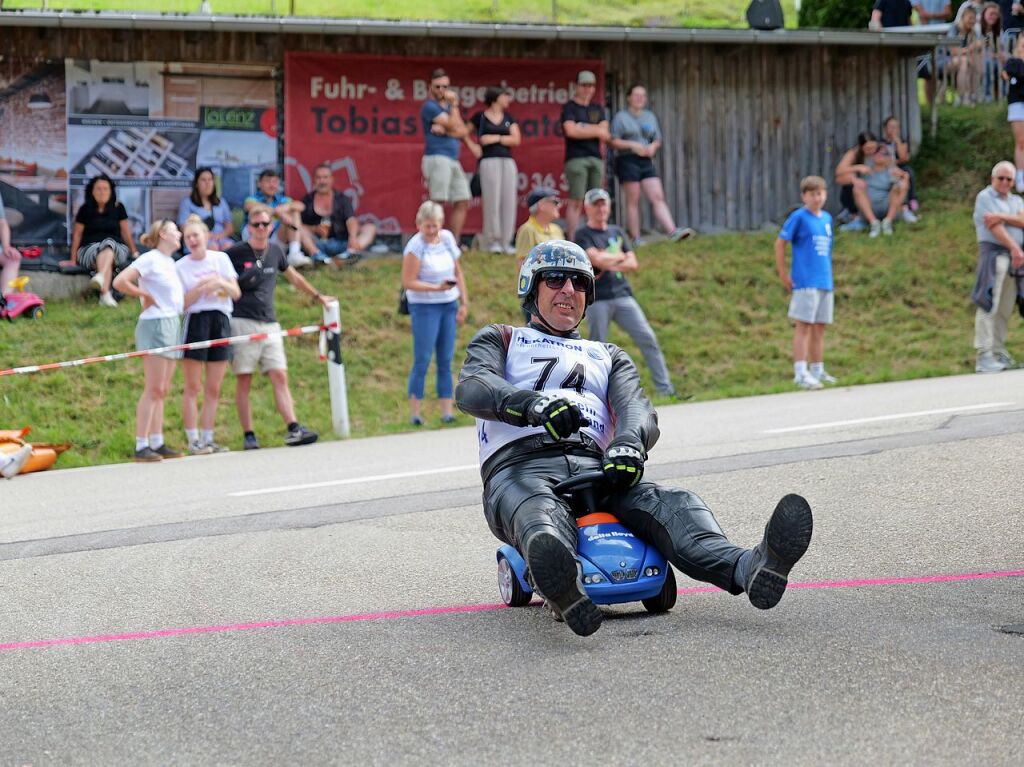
<point x="902" y="311"/>
<point x="689" y="13"/>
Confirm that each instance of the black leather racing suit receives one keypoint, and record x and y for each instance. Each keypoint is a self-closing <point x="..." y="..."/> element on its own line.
<point x="518" y="479"/>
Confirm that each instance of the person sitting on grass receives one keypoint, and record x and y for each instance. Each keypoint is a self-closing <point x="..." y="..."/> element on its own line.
<point x="809" y="229"/>
<point x="881" y="199"/>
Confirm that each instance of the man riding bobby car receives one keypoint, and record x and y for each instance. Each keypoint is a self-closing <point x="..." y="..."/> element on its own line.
<point x="550" y="405"/>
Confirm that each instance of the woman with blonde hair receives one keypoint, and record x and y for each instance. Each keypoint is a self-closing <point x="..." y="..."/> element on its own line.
<point x="210" y="285"/>
<point x="432" y="278"/>
<point x="153" y="280"/>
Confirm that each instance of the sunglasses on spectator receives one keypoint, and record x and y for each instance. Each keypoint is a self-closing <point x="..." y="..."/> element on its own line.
<point x="259" y="224"/>
<point x="1004" y="178"/>
<point x="555" y="280"/>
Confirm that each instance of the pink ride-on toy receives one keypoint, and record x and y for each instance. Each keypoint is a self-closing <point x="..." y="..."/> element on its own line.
<point x="21" y="303"/>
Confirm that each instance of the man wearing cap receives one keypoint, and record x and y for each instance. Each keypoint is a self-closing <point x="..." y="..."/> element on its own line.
<point x="443" y="131"/>
<point x="540" y="227"/>
<point x="611" y="253"/>
<point x="585" y="126"/>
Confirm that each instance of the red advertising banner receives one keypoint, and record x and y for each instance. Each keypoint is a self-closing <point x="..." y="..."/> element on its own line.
<point x="361" y="115"/>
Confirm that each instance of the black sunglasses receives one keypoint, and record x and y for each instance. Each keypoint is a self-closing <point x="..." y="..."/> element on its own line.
<point x="555" y="280"/>
<point x="259" y="224"/>
<point x="1004" y="178"/>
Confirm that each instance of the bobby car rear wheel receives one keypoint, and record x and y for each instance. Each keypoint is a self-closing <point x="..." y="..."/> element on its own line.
<point x="665" y="599"/>
<point x="511" y="590"/>
<point x="35" y="313"/>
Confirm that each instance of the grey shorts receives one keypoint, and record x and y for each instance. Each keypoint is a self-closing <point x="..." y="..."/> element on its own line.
<point x="812" y="305"/>
<point x="266" y="355"/>
<point x="446" y="181"/>
<point x="157" y="333"/>
<point x="87" y="255"/>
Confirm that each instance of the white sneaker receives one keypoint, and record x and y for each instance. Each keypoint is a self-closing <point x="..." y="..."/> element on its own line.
<point x="495" y="248"/>
<point x="17" y="462"/>
<point x="197" y="448"/>
<point x="807" y="381"/>
<point x="107" y="299"/>
<point x="97" y="281"/>
<point x="299" y="260"/>
<point x="909" y="217"/>
<point x="887" y="227"/>
<point x="510" y="250"/>
<point x="825" y="378"/>
<point x="876" y="229"/>
<point x="989" y="363"/>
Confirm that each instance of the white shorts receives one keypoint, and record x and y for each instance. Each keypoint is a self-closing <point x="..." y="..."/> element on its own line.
<point x="1015" y="112"/>
<point x="812" y="305"/>
<point x="267" y="355"/>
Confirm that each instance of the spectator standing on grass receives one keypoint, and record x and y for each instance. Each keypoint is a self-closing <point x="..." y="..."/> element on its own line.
<point x="210" y="285"/>
<point x="1013" y="14"/>
<point x="153" y="280"/>
<point x="443" y="131"/>
<point x="258" y="261"/>
<point x="930" y="12"/>
<point x="330" y="220"/>
<point x="967" y="50"/>
<point x="999" y="226"/>
<point x="885" y="190"/>
<point x="809" y="281"/>
<point x="1013" y="73"/>
<point x="496" y="133"/>
<point x="585" y="127"/>
<point x="287" y="224"/>
<point x="10" y="258"/>
<point x="611" y="254"/>
<point x="438" y="302"/>
<point x="101" y="239"/>
<point x="212" y="209"/>
<point x="636" y="138"/>
<point x="991" y="27"/>
<point x="854" y="162"/>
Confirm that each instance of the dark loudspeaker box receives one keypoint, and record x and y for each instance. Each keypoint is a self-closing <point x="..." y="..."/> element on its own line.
<point x="765" y="14"/>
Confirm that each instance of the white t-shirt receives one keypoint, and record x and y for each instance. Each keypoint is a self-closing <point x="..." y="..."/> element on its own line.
<point x="158" y="277"/>
<point x="437" y="264"/>
<point x="192" y="271"/>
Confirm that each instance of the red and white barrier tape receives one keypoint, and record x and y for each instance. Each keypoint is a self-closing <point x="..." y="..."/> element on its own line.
<point x="232" y="341"/>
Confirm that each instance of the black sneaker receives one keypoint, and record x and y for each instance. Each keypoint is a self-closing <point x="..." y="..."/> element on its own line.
<point x="556" y="575"/>
<point x="251" y="443"/>
<point x="147" y="455"/>
<point x="786" y="538"/>
<point x="168" y="452"/>
<point x="300" y="435"/>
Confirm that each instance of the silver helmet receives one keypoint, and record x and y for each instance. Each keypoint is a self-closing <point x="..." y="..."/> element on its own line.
<point x="554" y="255"/>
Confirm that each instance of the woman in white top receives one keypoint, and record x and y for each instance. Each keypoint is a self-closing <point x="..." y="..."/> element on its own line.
<point x="432" y="278"/>
<point x="210" y="284"/>
<point x="153" y="280"/>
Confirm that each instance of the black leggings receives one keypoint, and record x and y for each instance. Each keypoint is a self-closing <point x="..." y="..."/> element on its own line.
<point x="519" y="502"/>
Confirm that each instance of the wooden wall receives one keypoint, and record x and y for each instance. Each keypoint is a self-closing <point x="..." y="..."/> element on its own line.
<point x="742" y="124"/>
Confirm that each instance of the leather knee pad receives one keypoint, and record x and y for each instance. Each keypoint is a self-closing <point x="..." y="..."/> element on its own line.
<point x="537" y="515"/>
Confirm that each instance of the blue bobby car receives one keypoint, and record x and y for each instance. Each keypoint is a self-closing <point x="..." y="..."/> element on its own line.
<point x="617" y="566"/>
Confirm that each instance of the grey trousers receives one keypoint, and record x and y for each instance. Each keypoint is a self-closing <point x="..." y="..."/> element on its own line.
<point x="990" y="328"/>
<point x="630" y="317"/>
<point x="498" y="199"/>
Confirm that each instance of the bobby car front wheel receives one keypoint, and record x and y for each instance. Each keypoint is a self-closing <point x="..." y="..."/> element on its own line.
<point x="665" y="599"/>
<point x="511" y="590"/>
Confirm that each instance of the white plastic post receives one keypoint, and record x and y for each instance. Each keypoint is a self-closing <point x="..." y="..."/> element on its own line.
<point x="336" y="370"/>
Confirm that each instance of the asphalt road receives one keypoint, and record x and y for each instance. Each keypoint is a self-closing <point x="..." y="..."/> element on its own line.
<point x="337" y="603"/>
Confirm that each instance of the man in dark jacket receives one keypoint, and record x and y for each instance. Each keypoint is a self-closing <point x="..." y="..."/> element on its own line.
<point x="550" y="404"/>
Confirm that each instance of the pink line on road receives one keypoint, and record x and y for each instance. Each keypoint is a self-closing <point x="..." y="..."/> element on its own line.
<point x="37" y="643"/>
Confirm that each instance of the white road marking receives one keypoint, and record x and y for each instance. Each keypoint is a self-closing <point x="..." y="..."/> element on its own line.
<point x="893" y="417"/>
<point x="355" y="480"/>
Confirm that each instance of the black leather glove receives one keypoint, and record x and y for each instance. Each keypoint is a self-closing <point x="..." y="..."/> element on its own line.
<point x="558" y="415"/>
<point x="623" y="465"/>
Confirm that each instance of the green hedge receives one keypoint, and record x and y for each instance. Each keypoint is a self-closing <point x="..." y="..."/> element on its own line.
<point x="836" y="14"/>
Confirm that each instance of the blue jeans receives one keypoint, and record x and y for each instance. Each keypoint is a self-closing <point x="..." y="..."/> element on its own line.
<point x="433" y="331"/>
<point x="331" y="246"/>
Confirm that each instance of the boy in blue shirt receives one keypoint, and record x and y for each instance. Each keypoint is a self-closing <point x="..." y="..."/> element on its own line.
<point x="809" y="229"/>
